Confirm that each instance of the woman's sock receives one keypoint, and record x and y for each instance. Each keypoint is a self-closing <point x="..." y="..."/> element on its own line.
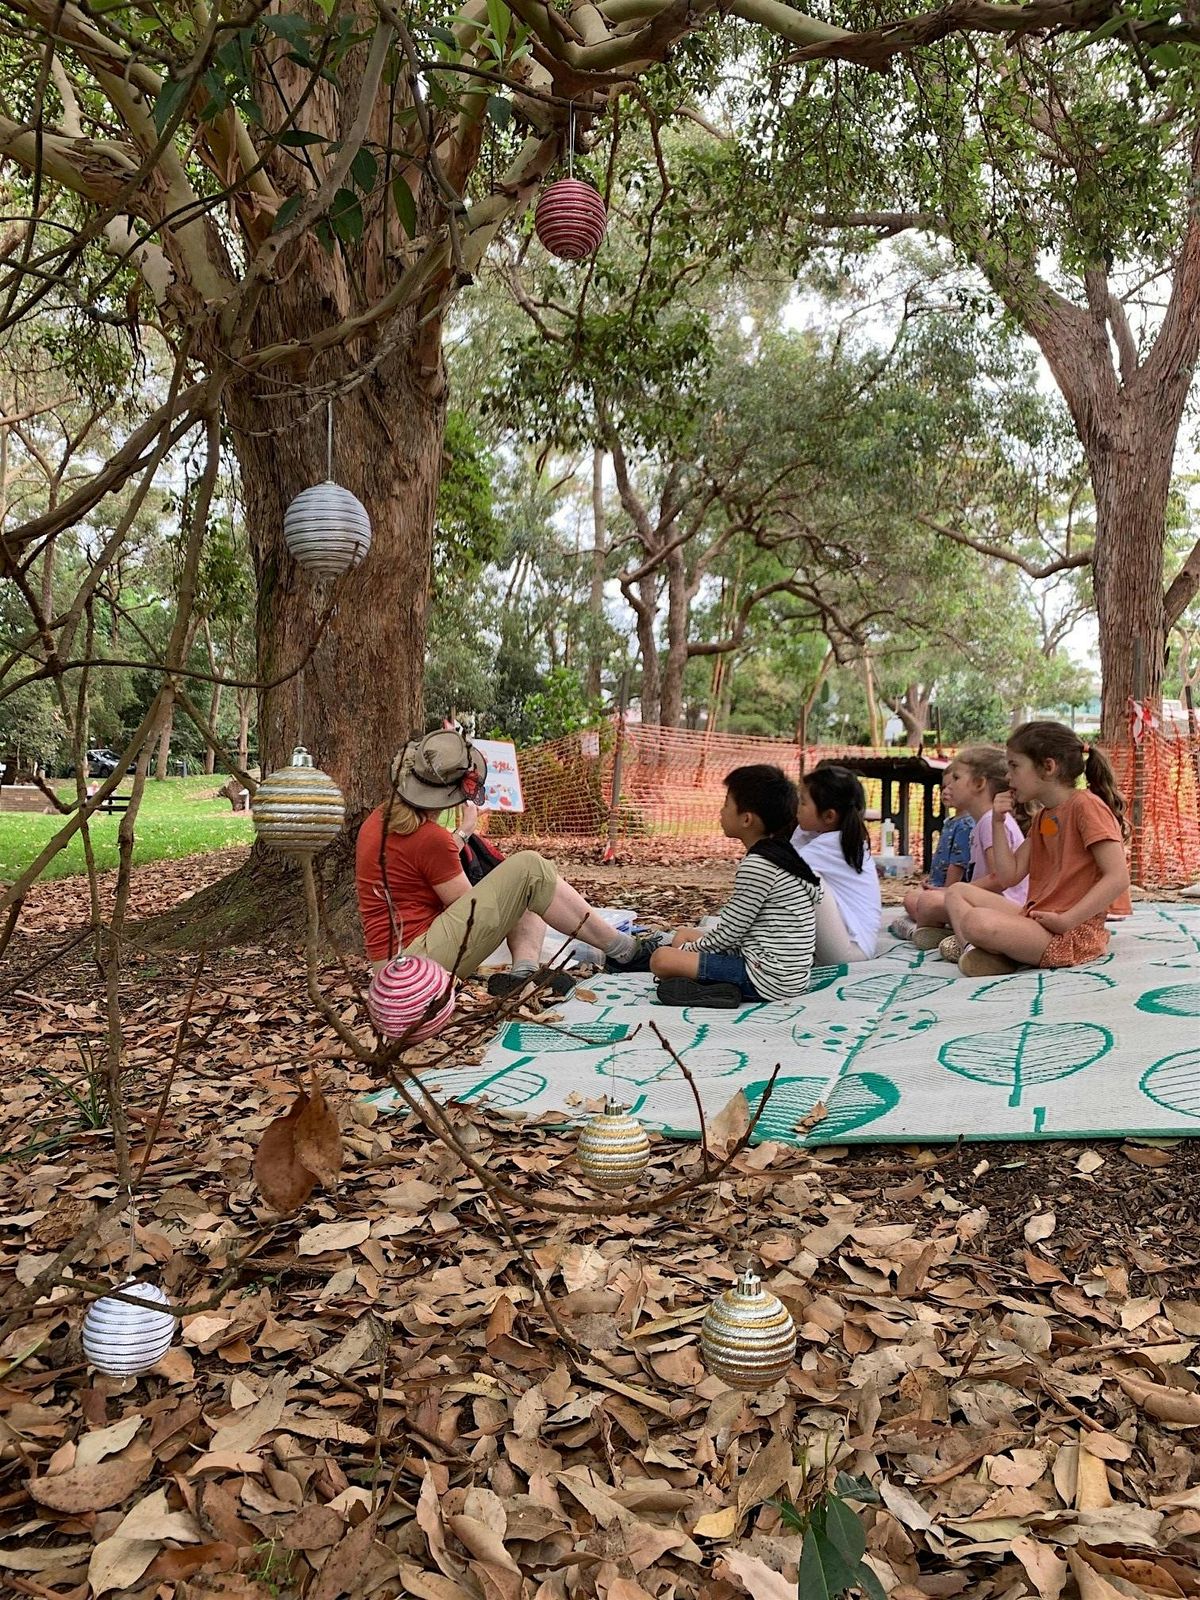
<point x="625" y="947"/>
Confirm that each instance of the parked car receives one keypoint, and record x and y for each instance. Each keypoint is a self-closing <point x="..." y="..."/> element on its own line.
<point x="100" y="764"/>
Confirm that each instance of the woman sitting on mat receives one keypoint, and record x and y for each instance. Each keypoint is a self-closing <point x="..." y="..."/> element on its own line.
<point x="403" y="854"/>
<point x="832" y="838"/>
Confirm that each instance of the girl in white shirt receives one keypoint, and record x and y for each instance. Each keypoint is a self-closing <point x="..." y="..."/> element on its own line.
<point x="832" y="838"/>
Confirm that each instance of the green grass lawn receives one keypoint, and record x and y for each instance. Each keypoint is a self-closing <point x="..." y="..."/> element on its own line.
<point x="180" y="817"/>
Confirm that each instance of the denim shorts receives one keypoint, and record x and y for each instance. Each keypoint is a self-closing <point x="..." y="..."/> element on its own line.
<point x="718" y="966"/>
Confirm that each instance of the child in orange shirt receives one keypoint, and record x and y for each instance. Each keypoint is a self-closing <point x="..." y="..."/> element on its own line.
<point x="1074" y="857"/>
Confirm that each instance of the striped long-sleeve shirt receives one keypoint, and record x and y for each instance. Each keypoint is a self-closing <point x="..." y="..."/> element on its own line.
<point x="770" y="921"/>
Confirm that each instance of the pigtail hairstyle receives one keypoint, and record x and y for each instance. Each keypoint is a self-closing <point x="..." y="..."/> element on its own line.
<point x="836" y="789"/>
<point x="1102" y="781"/>
<point x="1054" y="741"/>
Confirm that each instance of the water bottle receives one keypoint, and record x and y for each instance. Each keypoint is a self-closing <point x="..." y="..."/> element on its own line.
<point x="887" y="837"/>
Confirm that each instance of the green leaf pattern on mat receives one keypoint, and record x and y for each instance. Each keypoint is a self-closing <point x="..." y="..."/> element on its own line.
<point x="1038" y="988"/>
<point x="854" y="1101"/>
<point x="1030" y="1053"/>
<point x="1178" y="1000"/>
<point x="1174" y="1083"/>
<point x="523" y="1037"/>
<point x="509" y="1087"/>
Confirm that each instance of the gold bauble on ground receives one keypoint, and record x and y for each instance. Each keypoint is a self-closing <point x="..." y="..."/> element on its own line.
<point x="613" y="1149"/>
<point x="748" y="1338"/>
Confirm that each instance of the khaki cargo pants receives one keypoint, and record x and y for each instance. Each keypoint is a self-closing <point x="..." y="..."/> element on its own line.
<point x="525" y="882"/>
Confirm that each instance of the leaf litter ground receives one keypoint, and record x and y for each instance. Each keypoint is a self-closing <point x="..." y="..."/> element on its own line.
<point x="1003" y="1338"/>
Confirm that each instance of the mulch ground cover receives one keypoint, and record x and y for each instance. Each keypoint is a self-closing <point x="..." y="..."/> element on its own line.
<point x="369" y="1397"/>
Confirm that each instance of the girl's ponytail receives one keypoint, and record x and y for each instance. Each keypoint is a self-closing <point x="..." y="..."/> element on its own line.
<point x="1102" y="781"/>
<point x="836" y="789"/>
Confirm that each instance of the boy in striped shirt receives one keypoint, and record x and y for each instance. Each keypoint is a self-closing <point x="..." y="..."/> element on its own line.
<point x="762" y="945"/>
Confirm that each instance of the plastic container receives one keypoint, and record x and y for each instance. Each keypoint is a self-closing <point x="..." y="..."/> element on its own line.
<point x="890" y="866"/>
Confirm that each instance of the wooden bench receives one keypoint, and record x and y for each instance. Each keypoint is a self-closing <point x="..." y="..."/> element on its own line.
<point x="114" y="804"/>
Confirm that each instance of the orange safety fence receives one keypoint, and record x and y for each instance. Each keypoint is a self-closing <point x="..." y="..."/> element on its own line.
<point x="671" y="785"/>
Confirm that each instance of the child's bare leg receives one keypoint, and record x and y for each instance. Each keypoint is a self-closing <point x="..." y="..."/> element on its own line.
<point x="669" y="962"/>
<point x="992" y="928"/>
<point x="963" y="897"/>
<point x="910" y="902"/>
<point x="929" y="908"/>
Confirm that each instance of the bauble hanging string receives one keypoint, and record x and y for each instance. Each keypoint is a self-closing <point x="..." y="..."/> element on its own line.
<point x="327" y="529"/>
<point x="570" y="217"/>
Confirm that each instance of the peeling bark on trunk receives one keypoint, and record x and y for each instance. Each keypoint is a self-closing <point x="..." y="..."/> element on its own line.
<point x="592" y="684"/>
<point x="651" y="695"/>
<point x="678" y="616"/>
<point x="1132" y="481"/>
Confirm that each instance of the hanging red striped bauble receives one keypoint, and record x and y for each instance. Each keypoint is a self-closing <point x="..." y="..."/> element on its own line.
<point x="570" y="219"/>
<point x="402" y="992"/>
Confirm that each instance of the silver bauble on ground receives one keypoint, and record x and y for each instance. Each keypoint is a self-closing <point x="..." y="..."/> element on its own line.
<point x="748" y="1338"/>
<point x="122" y="1340"/>
<point x="327" y="530"/>
<point x="613" y="1149"/>
<point x="298" y="810"/>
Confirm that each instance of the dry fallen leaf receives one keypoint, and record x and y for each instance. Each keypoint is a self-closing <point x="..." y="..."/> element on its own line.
<point x="1040" y="1226"/>
<point x="332" y="1236"/>
<point x="1177" y="1408"/>
<point x="92" y="1488"/>
<point x="283" y="1179"/>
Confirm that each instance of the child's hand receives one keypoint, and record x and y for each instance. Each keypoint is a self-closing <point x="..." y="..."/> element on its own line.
<point x="1052" y="921"/>
<point x="470" y="819"/>
<point x="1002" y="804"/>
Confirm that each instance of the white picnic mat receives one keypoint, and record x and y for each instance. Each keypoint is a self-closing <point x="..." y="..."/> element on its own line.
<point x="900" y="1048"/>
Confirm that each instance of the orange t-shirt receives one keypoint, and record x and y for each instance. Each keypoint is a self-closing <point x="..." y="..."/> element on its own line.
<point x="1062" y="867"/>
<point x="415" y="864"/>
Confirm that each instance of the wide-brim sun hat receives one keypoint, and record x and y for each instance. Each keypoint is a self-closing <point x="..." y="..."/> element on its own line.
<point x="438" y="771"/>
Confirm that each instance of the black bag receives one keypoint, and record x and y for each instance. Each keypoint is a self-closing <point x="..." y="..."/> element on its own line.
<point x="478" y="859"/>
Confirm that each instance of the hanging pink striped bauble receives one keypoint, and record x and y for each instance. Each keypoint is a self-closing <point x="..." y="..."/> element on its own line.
<point x="570" y="219"/>
<point x="401" y="993"/>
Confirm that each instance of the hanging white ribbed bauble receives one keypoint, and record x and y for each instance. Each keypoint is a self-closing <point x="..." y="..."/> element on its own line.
<point x="613" y="1150"/>
<point x="299" y="809"/>
<point x="327" y="530"/>
<point x="748" y="1338"/>
<point x="570" y="219"/>
<point x="402" y="992"/>
<point x="122" y="1340"/>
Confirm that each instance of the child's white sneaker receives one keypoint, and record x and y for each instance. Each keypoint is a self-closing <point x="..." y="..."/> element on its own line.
<point x="902" y="928"/>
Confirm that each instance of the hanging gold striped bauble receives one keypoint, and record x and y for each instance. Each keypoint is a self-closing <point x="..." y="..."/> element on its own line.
<point x="613" y="1149"/>
<point x="299" y="809"/>
<point x="748" y="1338"/>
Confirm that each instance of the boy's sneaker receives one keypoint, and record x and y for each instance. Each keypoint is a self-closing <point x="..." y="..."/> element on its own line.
<point x="930" y="938"/>
<point x="977" y="963"/>
<point x="902" y="928"/>
<point x="644" y="947"/>
<point x="502" y="984"/>
<point x="951" y="949"/>
<point x="691" y="992"/>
